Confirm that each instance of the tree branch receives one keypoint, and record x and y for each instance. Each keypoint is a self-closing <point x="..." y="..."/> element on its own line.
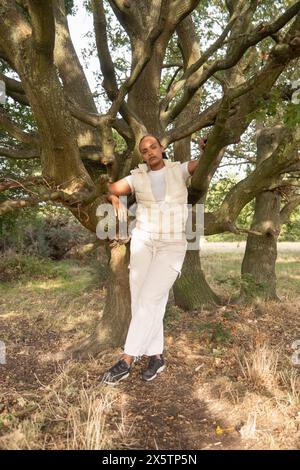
<point x="42" y="20"/>
<point x="205" y="119"/>
<point x="74" y="80"/>
<point x="14" y="29"/>
<point x="19" y="153"/>
<point x="265" y="176"/>
<point x="15" y="90"/>
<point x="25" y="153"/>
<point x="180" y="9"/>
<point x="177" y="86"/>
<point x="129" y="17"/>
<point x="141" y="56"/>
<point x="109" y="77"/>
<point x="10" y="183"/>
<point x="30" y="138"/>
<point x="250" y="39"/>
<point x="106" y="64"/>
<point x="22" y="99"/>
<point x="239" y="231"/>
<point x="287" y="210"/>
<point x="240" y="102"/>
<point x="12" y="84"/>
<point x="93" y="119"/>
<point x="11" y="205"/>
<point x="72" y="200"/>
<point x="122" y="5"/>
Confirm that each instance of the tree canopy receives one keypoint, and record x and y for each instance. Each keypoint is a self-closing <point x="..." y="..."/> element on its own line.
<point x="178" y="69"/>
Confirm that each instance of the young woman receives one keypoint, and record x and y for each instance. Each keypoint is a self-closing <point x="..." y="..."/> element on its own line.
<point x="157" y="251"/>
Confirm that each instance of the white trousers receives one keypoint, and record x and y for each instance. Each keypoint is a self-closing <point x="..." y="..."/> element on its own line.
<point x="154" y="267"/>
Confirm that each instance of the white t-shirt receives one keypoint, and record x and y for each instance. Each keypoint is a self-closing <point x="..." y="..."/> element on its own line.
<point x="158" y="182"/>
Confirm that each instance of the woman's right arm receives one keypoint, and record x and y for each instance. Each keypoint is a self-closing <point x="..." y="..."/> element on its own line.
<point x="119" y="188"/>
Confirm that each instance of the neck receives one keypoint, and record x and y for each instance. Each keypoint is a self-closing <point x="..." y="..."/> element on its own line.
<point x="157" y="166"/>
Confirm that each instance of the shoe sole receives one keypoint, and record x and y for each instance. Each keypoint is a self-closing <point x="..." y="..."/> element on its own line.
<point x="161" y="369"/>
<point x="117" y="381"/>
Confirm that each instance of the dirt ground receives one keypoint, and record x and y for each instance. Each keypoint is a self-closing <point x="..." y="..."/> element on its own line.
<point x="229" y="381"/>
<point x="194" y="404"/>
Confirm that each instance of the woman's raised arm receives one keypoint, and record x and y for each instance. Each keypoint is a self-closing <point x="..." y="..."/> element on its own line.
<point x="119" y="188"/>
<point x="192" y="165"/>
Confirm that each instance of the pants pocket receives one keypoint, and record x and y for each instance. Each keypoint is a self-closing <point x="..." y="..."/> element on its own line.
<point x="177" y="270"/>
<point x="176" y="264"/>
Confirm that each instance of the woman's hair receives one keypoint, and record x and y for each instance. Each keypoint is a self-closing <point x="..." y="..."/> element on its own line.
<point x="150" y="135"/>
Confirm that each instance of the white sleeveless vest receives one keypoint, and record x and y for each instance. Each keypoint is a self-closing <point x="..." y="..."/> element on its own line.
<point x="164" y="219"/>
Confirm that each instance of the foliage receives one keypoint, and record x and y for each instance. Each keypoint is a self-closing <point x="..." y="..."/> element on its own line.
<point x="218" y="190"/>
<point x="46" y="232"/>
<point x="216" y="331"/>
<point x="19" y="266"/>
<point x="291" y="230"/>
<point x="252" y="287"/>
<point x="210" y="19"/>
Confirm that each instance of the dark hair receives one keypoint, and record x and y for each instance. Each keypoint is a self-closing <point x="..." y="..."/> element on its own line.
<point x="150" y="135"/>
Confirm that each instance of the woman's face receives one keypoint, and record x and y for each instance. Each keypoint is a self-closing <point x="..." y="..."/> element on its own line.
<point x="151" y="151"/>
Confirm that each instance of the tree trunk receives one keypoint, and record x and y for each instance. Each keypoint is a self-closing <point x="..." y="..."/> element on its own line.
<point x="191" y="290"/>
<point x="112" y="329"/>
<point x="258" y="267"/>
<point x="60" y="157"/>
<point x="75" y="83"/>
<point x="144" y="97"/>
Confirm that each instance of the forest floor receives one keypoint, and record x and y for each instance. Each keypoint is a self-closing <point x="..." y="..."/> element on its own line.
<point x="230" y="382"/>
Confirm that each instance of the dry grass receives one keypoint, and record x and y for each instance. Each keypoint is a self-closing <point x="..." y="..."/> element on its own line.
<point x="71" y="415"/>
<point x="259" y="366"/>
<point x="245" y="379"/>
<point x="24" y="437"/>
<point x="291" y="381"/>
<point x="87" y="421"/>
<point x="263" y="405"/>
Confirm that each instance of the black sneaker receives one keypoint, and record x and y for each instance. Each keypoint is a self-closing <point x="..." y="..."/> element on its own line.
<point x="155" y="366"/>
<point x="116" y="373"/>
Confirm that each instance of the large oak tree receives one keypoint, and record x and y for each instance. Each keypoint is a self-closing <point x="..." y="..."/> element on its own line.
<point x="77" y="145"/>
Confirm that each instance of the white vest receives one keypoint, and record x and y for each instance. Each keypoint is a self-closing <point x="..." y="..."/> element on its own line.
<point x="166" y="219"/>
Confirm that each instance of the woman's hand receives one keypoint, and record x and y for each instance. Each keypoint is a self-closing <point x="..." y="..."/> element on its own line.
<point x="119" y="208"/>
<point x="202" y="143"/>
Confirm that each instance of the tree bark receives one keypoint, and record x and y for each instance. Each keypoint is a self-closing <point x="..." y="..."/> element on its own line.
<point x="143" y="98"/>
<point x="112" y="329"/>
<point x="191" y="291"/>
<point x="75" y="83"/>
<point x="192" y="295"/>
<point x="258" y="267"/>
<point x="50" y="75"/>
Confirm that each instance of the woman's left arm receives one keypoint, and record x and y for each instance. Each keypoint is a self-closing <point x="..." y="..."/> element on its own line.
<point x="192" y="165"/>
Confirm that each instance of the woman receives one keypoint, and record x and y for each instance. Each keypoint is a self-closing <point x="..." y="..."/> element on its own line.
<point x="157" y="251"/>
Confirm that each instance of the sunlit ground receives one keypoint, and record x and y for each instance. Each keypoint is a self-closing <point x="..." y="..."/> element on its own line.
<point x="235" y="385"/>
<point x="222" y="270"/>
